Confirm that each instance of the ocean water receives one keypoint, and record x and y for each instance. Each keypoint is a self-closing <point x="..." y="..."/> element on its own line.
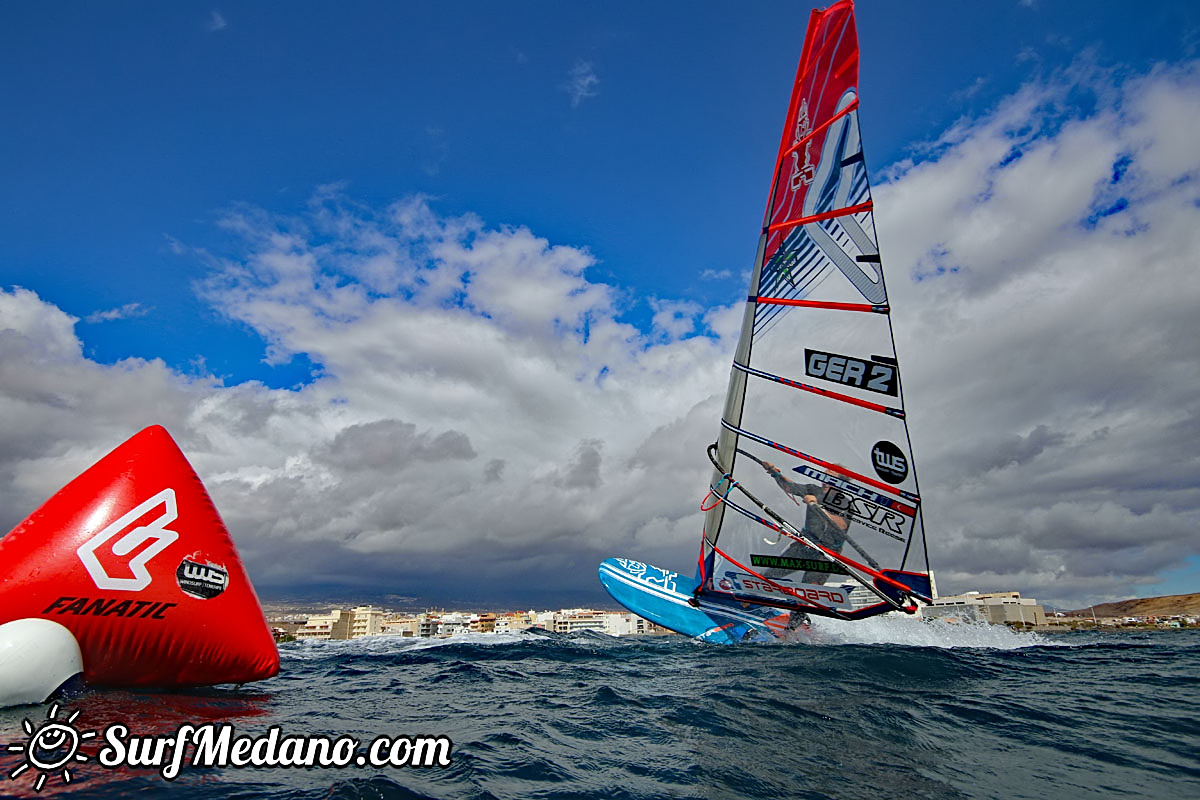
<point x="884" y="708"/>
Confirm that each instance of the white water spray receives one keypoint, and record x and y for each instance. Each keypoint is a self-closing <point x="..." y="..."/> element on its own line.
<point x="917" y="632"/>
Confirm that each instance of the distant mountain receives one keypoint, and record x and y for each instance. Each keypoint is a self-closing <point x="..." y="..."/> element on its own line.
<point x="1144" y="607"/>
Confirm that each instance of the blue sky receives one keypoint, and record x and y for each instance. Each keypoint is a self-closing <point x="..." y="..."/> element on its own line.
<point x="137" y="123"/>
<point x="170" y="169"/>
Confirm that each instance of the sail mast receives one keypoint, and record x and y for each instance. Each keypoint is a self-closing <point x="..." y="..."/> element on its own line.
<point x="735" y="393"/>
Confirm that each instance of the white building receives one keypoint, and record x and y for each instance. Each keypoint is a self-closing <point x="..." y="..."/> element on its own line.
<point x="998" y="608"/>
<point x="334" y="625"/>
<point x="570" y="620"/>
<point x="626" y="623"/>
<point x="400" y="625"/>
<point x="514" y="621"/>
<point x="451" y="624"/>
<point x="366" y="621"/>
<point x="342" y="624"/>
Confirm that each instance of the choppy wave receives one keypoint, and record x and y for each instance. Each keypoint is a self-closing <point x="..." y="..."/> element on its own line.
<point x="884" y="708"/>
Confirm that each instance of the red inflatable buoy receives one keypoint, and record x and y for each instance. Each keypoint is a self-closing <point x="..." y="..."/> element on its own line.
<point x="134" y="560"/>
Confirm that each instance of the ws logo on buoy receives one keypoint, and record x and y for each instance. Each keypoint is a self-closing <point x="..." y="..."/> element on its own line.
<point x="203" y="581"/>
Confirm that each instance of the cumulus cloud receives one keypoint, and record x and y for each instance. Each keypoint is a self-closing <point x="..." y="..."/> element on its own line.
<point x="674" y="319"/>
<point x="484" y="424"/>
<point x="1044" y="295"/>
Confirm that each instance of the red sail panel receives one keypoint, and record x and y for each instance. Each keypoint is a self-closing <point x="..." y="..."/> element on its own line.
<point x="825" y="89"/>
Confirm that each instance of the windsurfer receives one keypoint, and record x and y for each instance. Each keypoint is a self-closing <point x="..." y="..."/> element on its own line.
<point x="823" y="526"/>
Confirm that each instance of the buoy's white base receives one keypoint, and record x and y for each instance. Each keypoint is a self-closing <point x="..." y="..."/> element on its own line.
<point x="36" y="657"/>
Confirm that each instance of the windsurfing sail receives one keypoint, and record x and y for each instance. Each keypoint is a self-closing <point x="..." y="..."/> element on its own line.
<point x="813" y="503"/>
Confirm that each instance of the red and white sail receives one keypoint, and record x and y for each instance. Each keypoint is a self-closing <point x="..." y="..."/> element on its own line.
<point x="813" y="431"/>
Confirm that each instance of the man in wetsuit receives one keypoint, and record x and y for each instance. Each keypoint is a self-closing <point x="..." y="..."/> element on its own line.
<point x="821" y="525"/>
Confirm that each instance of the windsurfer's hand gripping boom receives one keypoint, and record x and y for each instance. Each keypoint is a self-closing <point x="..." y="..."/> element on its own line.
<point x="792" y="489"/>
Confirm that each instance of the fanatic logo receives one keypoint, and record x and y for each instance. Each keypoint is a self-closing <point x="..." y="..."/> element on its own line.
<point x="155" y="533"/>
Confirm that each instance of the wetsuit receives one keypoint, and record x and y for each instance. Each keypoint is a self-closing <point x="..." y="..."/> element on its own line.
<point x="817" y="526"/>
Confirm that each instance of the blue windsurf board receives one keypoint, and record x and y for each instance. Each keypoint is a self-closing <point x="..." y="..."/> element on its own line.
<point x="666" y="598"/>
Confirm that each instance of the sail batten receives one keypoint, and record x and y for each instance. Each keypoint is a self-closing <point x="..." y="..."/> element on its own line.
<point x="820" y="128"/>
<point x="804" y="387"/>
<point x="814" y="428"/>
<point x="791" y="301"/>
<point x="824" y="215"/>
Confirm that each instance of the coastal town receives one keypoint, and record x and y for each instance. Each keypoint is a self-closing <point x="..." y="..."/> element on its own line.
<point x="997" y="608"/>
<point x="369" y="620"/>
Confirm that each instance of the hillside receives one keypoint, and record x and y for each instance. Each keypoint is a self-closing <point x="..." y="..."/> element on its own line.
<point x="1144" y="607"/>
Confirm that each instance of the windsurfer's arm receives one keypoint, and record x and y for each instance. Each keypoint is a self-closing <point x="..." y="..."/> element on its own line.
<point x="791" y="487"/>
<point x="805" y="491"/>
